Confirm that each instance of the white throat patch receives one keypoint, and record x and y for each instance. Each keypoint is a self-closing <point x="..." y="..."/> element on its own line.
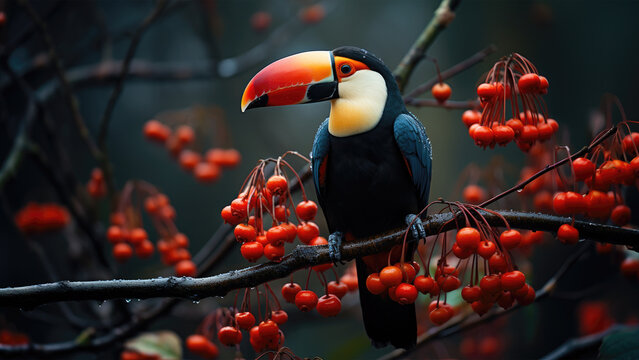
<point x="362" y="97"/>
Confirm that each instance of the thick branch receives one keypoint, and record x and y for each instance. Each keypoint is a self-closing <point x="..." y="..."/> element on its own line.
<point x="301" y="257"/>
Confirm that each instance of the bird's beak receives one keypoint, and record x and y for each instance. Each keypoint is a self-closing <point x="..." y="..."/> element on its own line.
<point x="297" y="79"/>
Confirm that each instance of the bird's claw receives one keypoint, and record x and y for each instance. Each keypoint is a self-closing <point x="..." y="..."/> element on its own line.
<point x="334" y="245"/>
<point x="416" y="226"/>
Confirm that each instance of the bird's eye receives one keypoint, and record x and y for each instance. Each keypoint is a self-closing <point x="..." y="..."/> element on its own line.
<point x="345" y="69"/>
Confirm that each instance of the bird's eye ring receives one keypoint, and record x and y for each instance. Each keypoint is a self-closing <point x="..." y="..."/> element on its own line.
<point x="345" y="69"/>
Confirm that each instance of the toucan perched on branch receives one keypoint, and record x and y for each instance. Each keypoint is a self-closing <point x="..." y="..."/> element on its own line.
<point x="371" y="162"/>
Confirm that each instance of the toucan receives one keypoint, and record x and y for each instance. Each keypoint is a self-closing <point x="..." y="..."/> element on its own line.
<point x="371" y="163"/>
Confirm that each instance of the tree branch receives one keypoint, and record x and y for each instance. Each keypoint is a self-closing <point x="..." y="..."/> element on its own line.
<point x="301" y="257"/>
<point x="578" y="344"/>
<point x="441" y="18"/>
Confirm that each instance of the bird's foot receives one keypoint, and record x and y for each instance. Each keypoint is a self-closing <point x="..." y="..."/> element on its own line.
<point x="334" y="245"/>
<point x="416" y="226"/>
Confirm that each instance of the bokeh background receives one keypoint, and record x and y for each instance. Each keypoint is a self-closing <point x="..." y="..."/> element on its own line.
<point x="584" y="48"/>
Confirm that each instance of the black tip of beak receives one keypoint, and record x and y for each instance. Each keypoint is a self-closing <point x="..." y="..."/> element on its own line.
<point x="259" y="102"/>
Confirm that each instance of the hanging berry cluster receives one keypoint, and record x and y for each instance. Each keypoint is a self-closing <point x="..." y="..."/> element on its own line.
<point x="182" y="144"/>
<point x="43" y="218"/>
<point x="128" y="236"/>
<point x="96" y="187"/>
<point x="512" y="81"/>
<point x="261" y="200"/>
<point x="478" y="249"/>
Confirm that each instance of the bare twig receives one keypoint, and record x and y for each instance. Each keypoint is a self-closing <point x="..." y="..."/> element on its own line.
<point x="586" y="149"/>
<point x="441" y="18"/>
<point x="410" y="99"/>
<point x="67" y="90"/>
<point x="448" y="104"/>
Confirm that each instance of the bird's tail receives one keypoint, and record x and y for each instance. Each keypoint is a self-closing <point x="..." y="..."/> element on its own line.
<point x="385" y="320"/>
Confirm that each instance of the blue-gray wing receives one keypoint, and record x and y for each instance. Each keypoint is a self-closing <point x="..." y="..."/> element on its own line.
<point x="319" y="158"/>
<point x="414" y="145"/>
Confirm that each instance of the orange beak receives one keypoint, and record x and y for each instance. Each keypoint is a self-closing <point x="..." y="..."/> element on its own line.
<point x="297" y="79"/>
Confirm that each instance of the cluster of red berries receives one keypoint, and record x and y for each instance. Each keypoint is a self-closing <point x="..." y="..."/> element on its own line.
<point x="513" y="80"/>
<point x="481" y="249"/>
<point x="96" y="187"/>
<point x="13" y="338"/>
<point x="37" y="218"/>
<point x="261" y="197"/>
<point x="129" y="237"/>
<point x="206" y="167"/>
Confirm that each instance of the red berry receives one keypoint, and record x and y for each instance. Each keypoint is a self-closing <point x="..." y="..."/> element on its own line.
<point x="620" y="215"/>
<point x="483" y="136"/>
<point x="461" y="252"/>
<point x="281" y="213"/>
<point x="510" y="239"/>
<point x="122" y="252"/>
<point x="529" y="134"/>
<point x="468" y="238"/>
<point x="268" y="329"/>
<point x="513" y="280"/>
<point x="516" y="125"/>
<point x="289" y="291"/>
<point x="449" y="283"/>
<point x="252" y="250"/>
<point x="630" y="268"/>
<point x="245" y="233"/>
<point x="470" y="117"/>
<point x="440" y="315"/>
<point x="529" y="83"/>
<point x="245" y="320"/>
<point x="277" y="185"/>
<point x="307" y="231"/>
<point x="424" y="284"/>
<point x="391" y="276"/>
<point x="306" y="300"/>
<point x="338" y="289"/>
<point x="486" y="249"/>
<point x="374" y="284"/>
<point x="312" y="14"/>
<point x="474" y="194"/>
<point x="274" y="253"/>
<point x="185" y="268"/>
<point x="329" y="305"/>
<point x="441" y="92"/>
<point x="189" y="159"/>
<point x="137" y="235"/>
<point x="144" y="249"/>
<point x="503" y="134"/>
<point x="115" y="234"/>
<point x="490" y="283"/>
<point x="486" y="91"/>
<point x="406" y="293"/>
<point x="279" y="316"/>
<point x="497" y="263"/>
<point x="471" y="293"/>
<point x="201" y="346"/>
<point x="567" y="234"/>
<point x="184" y="134"/>
<point x="277" y="235"/>
<point x="206" y="172"/>
<point x="155" y="130"/>
<point x="306" y="210"/>
<point x="229" y="336"/>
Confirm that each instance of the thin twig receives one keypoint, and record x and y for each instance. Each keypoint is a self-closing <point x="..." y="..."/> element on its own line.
<point x="441" y="18"/>
<point x="67" y="90"/>
<point x="586" y="149"/>
<point x="448" y="73"/>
